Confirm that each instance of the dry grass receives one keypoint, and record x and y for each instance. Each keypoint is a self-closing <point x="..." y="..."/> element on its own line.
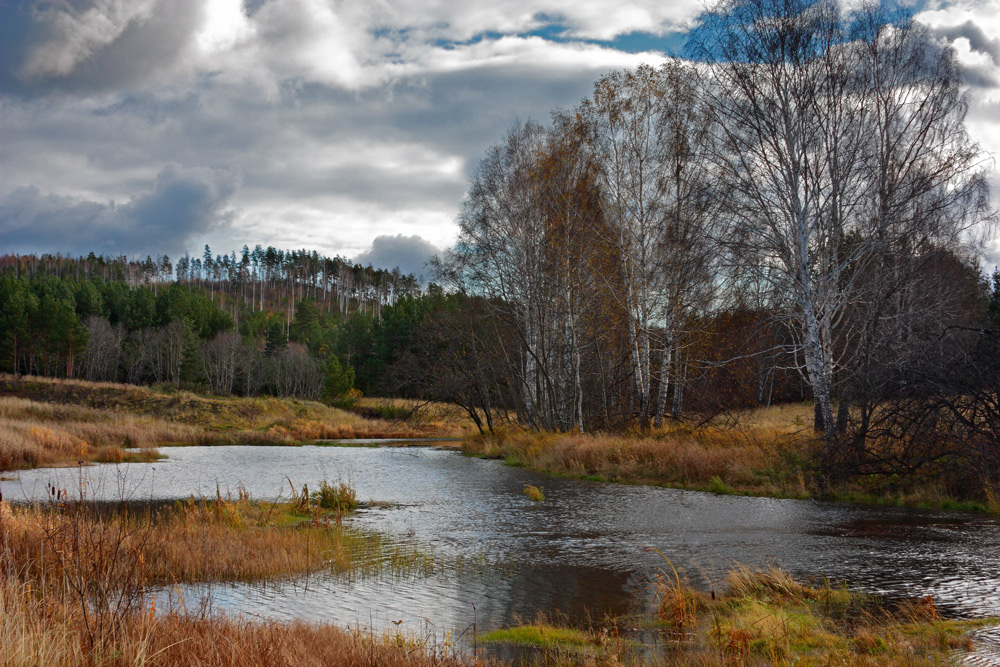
<point x="52" y="422"/>
<point x="74" y="576"/>
<point x="194" y="541"/>
<point x="36" y="434"/>
<point x="751" y="453"/>
<point x="443" y="419"/>
<point x="764" y="616"/>
<point x="40" y="630"/>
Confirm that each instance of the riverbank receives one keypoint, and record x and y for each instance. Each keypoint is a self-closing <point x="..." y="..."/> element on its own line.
<point x="756" y="617"/>
<point x="74" y="577"/>
<point x="81" y="600"/>
<point x="765" y="452"/>
<point x="47" y="422"/>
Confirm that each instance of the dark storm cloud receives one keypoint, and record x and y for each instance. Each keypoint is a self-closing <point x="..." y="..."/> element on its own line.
<point x="409" y="254"/>
<point x="182" y="203"/>
<point x="978" y="39"/>
<point x="981" y="75"/>
<point x="88" y="47"/>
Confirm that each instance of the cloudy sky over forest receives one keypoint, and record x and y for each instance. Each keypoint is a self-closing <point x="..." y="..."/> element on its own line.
<point x="346" y="126"/>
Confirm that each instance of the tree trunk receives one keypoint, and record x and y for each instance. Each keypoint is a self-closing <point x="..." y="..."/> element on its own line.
<point x="661" y="403"/>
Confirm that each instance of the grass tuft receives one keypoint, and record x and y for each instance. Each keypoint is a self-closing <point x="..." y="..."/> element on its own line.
<point x="534" y="493"/>
<point x="340" y="496"/>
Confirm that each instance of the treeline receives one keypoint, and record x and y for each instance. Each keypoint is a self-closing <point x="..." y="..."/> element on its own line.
<point x="251" y="281"/>
<point x="796" y="215"/>
<point x="63" y="317"/>
<point x="803" y="202"/>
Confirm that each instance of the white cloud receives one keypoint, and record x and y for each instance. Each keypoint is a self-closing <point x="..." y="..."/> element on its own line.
<point x="347" y="119"/>
<point x="409" y="254"/>
<point x="226" y="26"/>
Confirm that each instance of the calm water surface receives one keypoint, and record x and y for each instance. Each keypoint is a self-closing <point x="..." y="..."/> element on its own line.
<point x="586" y="550"/>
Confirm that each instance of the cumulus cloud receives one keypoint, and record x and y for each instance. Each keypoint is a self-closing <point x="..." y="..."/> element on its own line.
<point x="976" y="37"/>
<point x="182" y="203"/>
<point x="346" y="120"/>
<point x="409" y="254"/>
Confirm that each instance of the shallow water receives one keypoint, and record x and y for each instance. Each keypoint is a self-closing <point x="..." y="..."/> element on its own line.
<point x="587" y="549"/>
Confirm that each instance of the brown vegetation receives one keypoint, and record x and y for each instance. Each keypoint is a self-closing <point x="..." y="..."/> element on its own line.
<point x="755" y="452"/>
<point x="73" y="578"/>
<point x="769" y="451"/>
<point x="43" y="632"/>
<point x="764" y="616"/>
<point x="52" y="422"/>
<point x="215" y="540"/>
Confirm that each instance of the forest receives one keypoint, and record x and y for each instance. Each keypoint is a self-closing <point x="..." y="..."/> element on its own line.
<point x="274" y="322"/>
<point x="793" y="212"/>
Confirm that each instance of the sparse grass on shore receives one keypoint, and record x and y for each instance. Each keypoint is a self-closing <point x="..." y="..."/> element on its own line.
<point x="753" y="455"/>
<point x="204" y="540"/>
<point x="758" y="617"/>
<point x="46" y="422"/>
<point x="44" y="630"/>
<point x="74" y="577"/>
<point x="765" y="452"/>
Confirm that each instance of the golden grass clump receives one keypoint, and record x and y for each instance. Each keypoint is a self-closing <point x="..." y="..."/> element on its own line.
<point x="534" y="493"/>
<point x="771" y="584"/>
<point x="194" y="541"/>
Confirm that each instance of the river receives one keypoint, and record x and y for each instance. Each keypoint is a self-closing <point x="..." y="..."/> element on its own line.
<point x="586" y="550"/>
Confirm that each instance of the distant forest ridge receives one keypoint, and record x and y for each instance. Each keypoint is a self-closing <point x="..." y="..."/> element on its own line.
<point x="266" y="321"/>
<point x="266" y="279"/>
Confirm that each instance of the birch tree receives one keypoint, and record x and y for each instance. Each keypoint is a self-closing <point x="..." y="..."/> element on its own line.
<point x="626" y="137"/>
<point x="844" y="158"/>
<point x="786" y="126"/>
<point x="650" y="135"/>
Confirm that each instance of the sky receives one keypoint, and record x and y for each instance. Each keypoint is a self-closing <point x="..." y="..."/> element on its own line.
<point x="350" y="127"/>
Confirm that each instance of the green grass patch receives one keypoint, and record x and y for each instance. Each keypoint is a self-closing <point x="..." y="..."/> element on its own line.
<point x="717" y="486"/>
<point x="540" y="636"/>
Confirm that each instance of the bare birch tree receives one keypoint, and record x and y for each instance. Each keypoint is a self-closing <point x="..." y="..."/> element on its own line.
<point x="650" y="136"/>
<point x="843" y="152"/>
<point x="788" y="163"/>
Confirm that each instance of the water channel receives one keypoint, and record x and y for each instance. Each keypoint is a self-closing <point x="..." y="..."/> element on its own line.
<point x="587" y="549"/>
